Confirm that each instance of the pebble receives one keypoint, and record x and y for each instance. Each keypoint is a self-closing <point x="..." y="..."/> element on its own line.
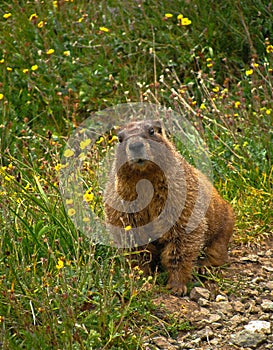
<point x="205" y="333"/>
<point x="267" y="305"/>
<point x="223" y="306"/>
<point x="221" y="297"/>
<point x="213" y="318"/>
<point x="248" y="339"/>
<point x="199" y="292"/>
<point x="269" y="285"/>
<point x="238" y="306"/>
<point x="163" y="343"/>
<point x="203" y="302"/>
<point x="258" y="326"/>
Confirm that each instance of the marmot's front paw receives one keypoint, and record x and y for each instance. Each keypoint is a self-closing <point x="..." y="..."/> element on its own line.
<point x="177" y="288"/>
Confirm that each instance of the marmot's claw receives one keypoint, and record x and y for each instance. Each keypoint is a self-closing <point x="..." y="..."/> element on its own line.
<point x="177" y="289"/>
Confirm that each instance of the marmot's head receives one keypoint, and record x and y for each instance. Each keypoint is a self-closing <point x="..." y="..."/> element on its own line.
<point x="140" y="144"/>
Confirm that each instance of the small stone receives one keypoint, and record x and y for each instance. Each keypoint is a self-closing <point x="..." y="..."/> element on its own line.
<point x="221" y="297"/>
<point x="269" y="285"/>
<point x="163" y="343"/>
<point x="268" y="268"/>
<point x="203" y="302"/>
<point x="267" y="305"/>
<point x="199" y="292"/>
<point x="224" y="306"/>
<point x="205" y="333"/>
<point x="235" y="320"/>
<point x="239" y="307"/>
<point x="250" y="258"/>
<point x="248" y="339"/>
<point x="258" y="326"/>
<point x="213" y="318"/>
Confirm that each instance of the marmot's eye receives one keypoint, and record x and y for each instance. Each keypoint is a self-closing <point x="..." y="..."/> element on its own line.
<point x="120" y="138"/>
<point x="151" y="131"/>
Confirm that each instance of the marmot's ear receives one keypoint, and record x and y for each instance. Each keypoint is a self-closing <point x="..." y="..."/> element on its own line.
<point x="159" y="127"/>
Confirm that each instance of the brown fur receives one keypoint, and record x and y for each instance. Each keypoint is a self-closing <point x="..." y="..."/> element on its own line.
<point x="176" y="249"/>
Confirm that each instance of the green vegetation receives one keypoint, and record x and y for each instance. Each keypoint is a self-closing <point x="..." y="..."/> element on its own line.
<point x="60" y="61"/>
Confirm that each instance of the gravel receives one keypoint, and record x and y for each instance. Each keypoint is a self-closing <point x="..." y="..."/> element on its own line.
<point x="233" y="311"/>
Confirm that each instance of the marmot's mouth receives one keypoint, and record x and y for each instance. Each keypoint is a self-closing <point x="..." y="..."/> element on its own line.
<point x="138" y="161"/>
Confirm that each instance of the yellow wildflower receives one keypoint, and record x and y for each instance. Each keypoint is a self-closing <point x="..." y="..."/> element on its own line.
<point x="71" y="212"/>
<point x="25" y="70"/>
<point x="68" y="153"/>
<point x="269" y="48"/>
<point x="60" y="264"/>
<point x="209" y="62"/>
<point x="128" y="228"/>
<point x="101" y="139"/>
<point x="1" y="97"/>
<point x="9" y="69"/>
<point x="85" y="143"/>
<point x="179" y="17"/>
<point x="33" y="17"/>
<point x="203" y="106"/>
<point x="55" y="4"/>
<point x="40" y="24"/>
<point x="185" y="21"/>
<point x="88" y="196"/>
<point x="168" y="15"/>
<point x="34" y="67"/>
<point x="268" y="111"/>
<point x="249" y="72"/>
<point x="86" y="219"/>
<point x="69" y="201"/>
<point x="2" y="60"/>
<point x="114" y="138"/>
<point x="237" y="104"/>
<point x="50" y="51"/>
<point x="58" y="167"/>
<point x="80" y="19"/>
<point x="216" y="89"/>
<point x="104" y="29"/>
<point x="67" y="53"/>
<point x="7" y="15"/>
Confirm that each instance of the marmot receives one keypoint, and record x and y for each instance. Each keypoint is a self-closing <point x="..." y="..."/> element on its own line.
<point x="176" y="219"/>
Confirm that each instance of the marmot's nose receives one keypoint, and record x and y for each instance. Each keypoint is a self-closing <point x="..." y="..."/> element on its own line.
<point x="136" y="147"/>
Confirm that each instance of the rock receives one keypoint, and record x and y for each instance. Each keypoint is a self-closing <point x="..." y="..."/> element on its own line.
<point x="221" y="297"/>
<point x="258" y="326"/>
<point x="248" y="339"/>
<point x="205" y="333"/>
<point x="238" y="306"/>
<point x="223" y="306"/>
<point x="269" y="285"/>
<point x="267" y="305"/>
<point x="235" y="321"/>
<point x="163" y="343"/>
<point x="203" y="302"/>
<point x="250" y="258"/>
<point x="199" y="292"/>
<point x="213" y="318"/>
<point x="268" y="268"/>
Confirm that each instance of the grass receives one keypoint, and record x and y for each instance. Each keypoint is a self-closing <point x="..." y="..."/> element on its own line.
<point x="61" y="61"/>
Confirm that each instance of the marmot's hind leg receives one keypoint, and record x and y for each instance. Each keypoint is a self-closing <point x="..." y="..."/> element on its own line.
<point x="216" y="250"/>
